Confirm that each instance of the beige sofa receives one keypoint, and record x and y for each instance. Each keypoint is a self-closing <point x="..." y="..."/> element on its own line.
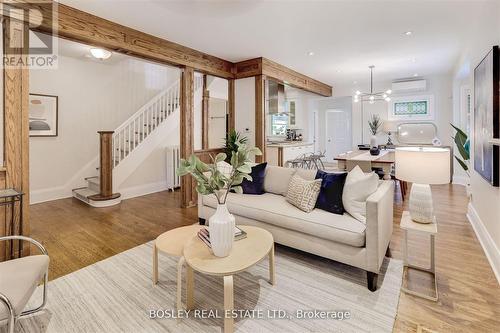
<point x="338" y="237"/>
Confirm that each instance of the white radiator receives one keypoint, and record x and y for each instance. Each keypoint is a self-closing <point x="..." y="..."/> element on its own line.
<point x="173" y="162"/>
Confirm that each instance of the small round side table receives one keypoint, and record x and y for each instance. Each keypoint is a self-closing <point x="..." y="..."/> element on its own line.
<point x="172" y="243"/>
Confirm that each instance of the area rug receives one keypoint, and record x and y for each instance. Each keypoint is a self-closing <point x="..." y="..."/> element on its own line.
<point x="116" y="295"/>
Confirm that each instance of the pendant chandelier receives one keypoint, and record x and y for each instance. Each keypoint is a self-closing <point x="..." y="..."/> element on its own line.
<point x="372" y="96"/>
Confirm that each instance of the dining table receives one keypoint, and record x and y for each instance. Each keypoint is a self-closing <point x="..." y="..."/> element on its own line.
<point x="385" y="160"/>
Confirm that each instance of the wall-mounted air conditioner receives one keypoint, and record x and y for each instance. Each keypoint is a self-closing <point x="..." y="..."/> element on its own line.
<point x="409" y="86"/>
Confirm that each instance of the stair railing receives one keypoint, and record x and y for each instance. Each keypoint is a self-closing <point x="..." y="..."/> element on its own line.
<point x="132" y="132"/>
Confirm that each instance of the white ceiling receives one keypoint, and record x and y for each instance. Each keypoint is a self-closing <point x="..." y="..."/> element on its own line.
<point x="345" y="36"/>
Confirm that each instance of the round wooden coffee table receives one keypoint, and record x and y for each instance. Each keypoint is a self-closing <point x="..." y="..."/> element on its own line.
<point x="244" y="254"/>
<point x="172" y="243"/>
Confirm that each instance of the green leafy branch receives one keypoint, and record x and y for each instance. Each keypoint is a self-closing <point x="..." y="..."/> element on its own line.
<point x="374" y="123"/>
<point x="463" y="146"/>
<point x="211" y="180"/>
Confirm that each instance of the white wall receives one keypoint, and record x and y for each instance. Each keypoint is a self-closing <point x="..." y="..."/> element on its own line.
<point x="244" y="101"/>
<point x="321" y="105"/>
<point x="484" y="211"/>
<point x="438" y="85"/>
<point x="92" y="96"/>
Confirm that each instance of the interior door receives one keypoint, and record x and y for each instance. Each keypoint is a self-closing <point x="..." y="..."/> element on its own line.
<point x="338" y="133"/>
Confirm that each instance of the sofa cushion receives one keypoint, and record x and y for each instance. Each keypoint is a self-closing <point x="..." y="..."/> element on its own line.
<point x="357" y="188"/>
<point x="307" y="174"/>
<point x="277" y="179"/>
<point x="274" y="209"/>
<point x="330" y="196"/>
<point x="303" y="193"/>
<point x="256" y="185"/>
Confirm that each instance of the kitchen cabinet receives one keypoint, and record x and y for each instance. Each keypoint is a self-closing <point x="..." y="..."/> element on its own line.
<point x="295" y="114"/>
<point x="278" y="154"/>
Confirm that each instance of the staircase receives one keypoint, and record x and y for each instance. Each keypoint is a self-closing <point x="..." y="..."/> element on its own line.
<point x="136" y="138"/>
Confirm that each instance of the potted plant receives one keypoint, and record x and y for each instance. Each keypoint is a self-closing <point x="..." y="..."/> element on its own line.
<point x="374" y="123"/>
<point x="212" y="179"/>
<point x="462" y="142"/>
<point x="232" y="141"/>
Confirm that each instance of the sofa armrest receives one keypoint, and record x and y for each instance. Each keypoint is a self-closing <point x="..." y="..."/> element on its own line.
<point x="379" y="224"/>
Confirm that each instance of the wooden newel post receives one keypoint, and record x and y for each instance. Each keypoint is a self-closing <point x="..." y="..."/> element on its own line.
<point x="106" y="167"/>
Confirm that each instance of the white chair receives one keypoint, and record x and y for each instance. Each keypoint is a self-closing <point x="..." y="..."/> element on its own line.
<point x="18" y="280"/>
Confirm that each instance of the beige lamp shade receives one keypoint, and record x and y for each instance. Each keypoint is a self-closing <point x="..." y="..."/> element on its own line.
<point x="423" y="165"/>
<point x="389" y="126"/>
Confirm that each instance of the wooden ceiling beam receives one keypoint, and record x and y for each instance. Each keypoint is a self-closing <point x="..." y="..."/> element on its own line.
<point x="76" y="25"/>
<point x="280" y="73"/>
<point x="79" y="26"/>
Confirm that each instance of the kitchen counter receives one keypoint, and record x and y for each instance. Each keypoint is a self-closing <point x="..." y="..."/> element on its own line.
<point x="288" y="144"/>
<point x="279" y="153"/>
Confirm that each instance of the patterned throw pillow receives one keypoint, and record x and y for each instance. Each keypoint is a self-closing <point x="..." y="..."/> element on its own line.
<point x="303" y="193"/>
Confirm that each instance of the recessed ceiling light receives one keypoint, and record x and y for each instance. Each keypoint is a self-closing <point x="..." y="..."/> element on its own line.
<point x="100" y="54"/>
<point x="310" y="53"/>
<point x="408" y="33"/>
<point x="415" y="75"/>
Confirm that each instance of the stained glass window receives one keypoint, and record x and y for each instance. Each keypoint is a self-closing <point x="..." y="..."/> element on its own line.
<point x="411" y="108"/>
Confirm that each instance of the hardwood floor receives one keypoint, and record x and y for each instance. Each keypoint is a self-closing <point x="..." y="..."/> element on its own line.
<point x="77" y="235"/>
<point x="469" y="295"/>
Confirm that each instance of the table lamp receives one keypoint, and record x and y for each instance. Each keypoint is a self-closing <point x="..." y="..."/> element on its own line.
<point x="389" y="127"/>
<point x="422" y="166"/>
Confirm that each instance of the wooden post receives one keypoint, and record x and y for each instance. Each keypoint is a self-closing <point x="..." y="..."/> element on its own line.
<point x="204" y="114"/>
<point x="16" y="126"/>
<point x="188" y="195"/>
<point x="106" y="163"/>
<point x="260" y="118"/>
<point x="231" y="122"/>
<point x="106" y="168"/>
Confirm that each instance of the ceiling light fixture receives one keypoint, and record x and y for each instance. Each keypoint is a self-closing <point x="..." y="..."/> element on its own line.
<point x="100" y="54"/>
<point x="415" y="75"/>
<point x="310" y="53"/>
<point x="408" y="33"/>
<point x="372" y="96"/>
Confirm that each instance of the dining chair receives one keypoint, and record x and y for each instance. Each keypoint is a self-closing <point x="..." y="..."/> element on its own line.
<point x="366" y="166"/>
<point x="18" y="281"/>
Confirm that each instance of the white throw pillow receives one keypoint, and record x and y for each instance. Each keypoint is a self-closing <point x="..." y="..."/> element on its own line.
<point x="277" y="179"/>
<point x="225" y="168"/>
<point x="358" y="187"/>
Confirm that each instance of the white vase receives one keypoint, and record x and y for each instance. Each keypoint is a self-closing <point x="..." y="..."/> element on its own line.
<point x="373" y="141"/>
<point x="221" y="228"/>
<point x="421" y="206"/>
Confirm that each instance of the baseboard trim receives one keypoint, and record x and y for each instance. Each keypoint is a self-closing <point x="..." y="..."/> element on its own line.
<point x="49" y="194"/>
<point x="460" y="180"/>
<point x="140" y="190"/>
<point x="490" y="248"/>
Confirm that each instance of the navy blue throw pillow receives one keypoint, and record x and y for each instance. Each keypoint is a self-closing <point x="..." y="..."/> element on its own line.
<point x="256" y="186"/>
<point x="330" y="195"/>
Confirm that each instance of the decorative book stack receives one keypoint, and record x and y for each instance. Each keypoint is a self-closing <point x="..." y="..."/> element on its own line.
<point x="204" y="235"/>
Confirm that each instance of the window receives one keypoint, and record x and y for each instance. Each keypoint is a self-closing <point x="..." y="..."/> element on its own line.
<point x="411" y="108"/>
<point x="465" y="108"/>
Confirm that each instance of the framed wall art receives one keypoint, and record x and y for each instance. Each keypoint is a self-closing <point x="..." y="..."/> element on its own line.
<point x="43" y="115"/>
<point x="486" y="117"/>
